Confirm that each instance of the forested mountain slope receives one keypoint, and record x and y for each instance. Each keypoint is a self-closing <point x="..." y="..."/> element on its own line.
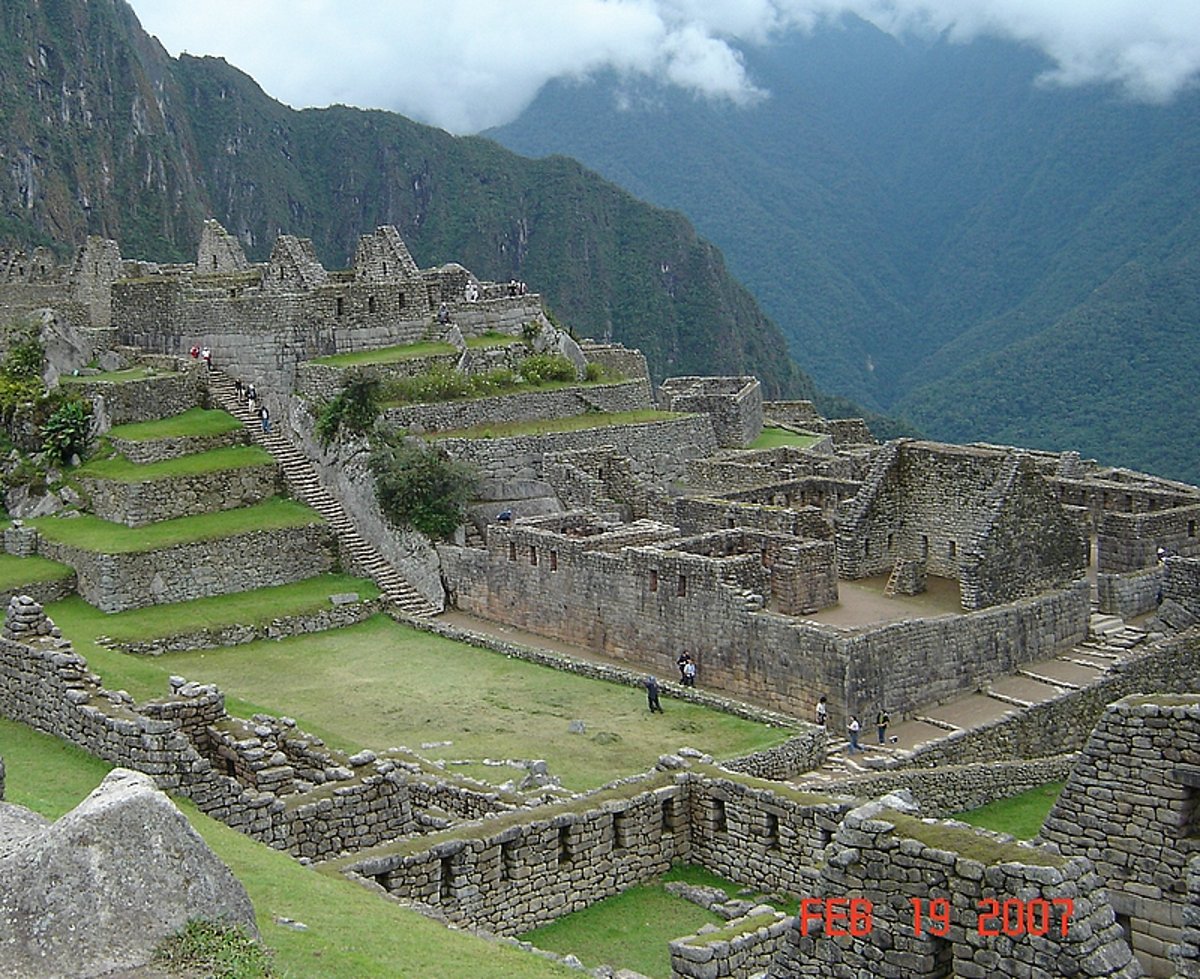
<point x="101" y="132"/>
<point x="939" y="234"/>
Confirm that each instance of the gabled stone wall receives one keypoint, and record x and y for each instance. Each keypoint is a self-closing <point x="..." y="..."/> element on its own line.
<point x="733" y="403"/>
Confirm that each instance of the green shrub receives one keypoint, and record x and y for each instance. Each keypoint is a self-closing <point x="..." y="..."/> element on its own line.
<point x="417" y="486"/>
<point x="204" y="948"/>
<point x="354" y="408"/>
<point x="24" y="359"/>
<point x="545" y="368"/>
<point x="68" y="428"/>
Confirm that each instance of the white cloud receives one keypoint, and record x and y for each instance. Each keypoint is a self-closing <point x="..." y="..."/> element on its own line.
<point x="468" y="64"/>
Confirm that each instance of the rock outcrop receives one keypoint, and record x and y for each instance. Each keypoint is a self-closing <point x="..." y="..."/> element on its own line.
<point x="100" y="888"/>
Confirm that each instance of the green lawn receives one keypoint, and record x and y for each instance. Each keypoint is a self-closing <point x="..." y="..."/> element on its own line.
<point x="411" y="351"/>
<point x="1021" y="815"/>
<point x="198" y="422"/>
<point x="117" y="377"/>
<point x="632" y="929"/>
<point x="351" y="932"/>
<point x="573" y="423"/>
<point x="93" y="534"/>
<point x="773" y="438"/>
<point x="17" y="571"/>
<point x="214" y="460"/>
<point x="381" y="684"/>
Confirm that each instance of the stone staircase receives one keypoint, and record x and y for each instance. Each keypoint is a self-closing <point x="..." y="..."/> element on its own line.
<point x="1109" y="641"/>
<point x="305" y="486"/>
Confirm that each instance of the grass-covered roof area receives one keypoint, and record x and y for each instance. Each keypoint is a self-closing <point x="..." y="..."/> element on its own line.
<point x="93" y="534"/>
<point x="969" y="843"/>
<point x="215" y="460"/>
<point x="772" y="437"/>
<point x="195" y="422"/>
<point x="572" y="423"/>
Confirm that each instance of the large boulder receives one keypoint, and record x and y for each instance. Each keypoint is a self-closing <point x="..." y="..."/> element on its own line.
<point x="100" y="888"/>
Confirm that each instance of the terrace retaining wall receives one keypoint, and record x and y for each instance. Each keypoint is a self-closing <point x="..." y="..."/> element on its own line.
<point x="145" y="451"/>
<point x="142" y="502"/>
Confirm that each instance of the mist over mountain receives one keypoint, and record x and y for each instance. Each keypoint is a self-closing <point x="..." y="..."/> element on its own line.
<point x="939" y="235"/>
<point x="102" y="132"/>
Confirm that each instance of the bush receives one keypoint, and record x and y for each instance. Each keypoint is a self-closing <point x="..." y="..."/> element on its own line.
<point x="23" y="362"/>
<point x="545" y="368"/>
<point x="67" y="431"/>
<point x="417" y="486"/>
<point x="353" y="409"/>
<point x="204" y="948"/>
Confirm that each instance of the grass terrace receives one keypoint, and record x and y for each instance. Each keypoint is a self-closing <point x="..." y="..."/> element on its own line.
<point x="572" y="423"/>
<point x="120" y="469"/>
<point x="1020" y="815"/>
<point x="351" y="932"/>
<point x="379" y="684"/>
<point x="412" y="351"/>
<point x="93" y="534"/>
<point x="773" y="437"/>
<point x="117" y="377"/>
<point x="197" y="422"/>
<point x="17" y="571"/>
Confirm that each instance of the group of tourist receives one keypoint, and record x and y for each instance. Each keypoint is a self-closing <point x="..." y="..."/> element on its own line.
<point x="853" y="726"/>
<point x="687" y="677"/>
<point x="247" y="394"/>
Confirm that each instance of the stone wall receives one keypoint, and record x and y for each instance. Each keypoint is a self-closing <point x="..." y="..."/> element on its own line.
<point x="1064" y="723"/>
<point x="143" y="452"/>
<point x="218" y="637"/>
<point x="641" y="603"/>
<point x="658" y="449"/>
<point x="698" y="515"/>
<point x="733" y="403"/>
<point x="898" y="865"/>
<point x="1130" y="541"/>
<point x="142" y="502"/>
<point x="745" y="947"/>
<point x="321" y="382"/>
<point x="1130" y="807"/>
<point x="984" y="518"/>
<point x="1130" y="594"/>
<point x="1180" y="607"/>
<point x="618" y="360"/>
<point x="951" y="789"/>
<point x="43" y="592"/>
<point x="182" y="572"/>
<point x="521" y="406"/>
<point x="117" y="403"/>
<point x="521" y="870"/>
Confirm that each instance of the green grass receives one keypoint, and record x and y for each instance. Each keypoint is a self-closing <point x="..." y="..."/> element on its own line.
<point x="215" y="460"/>
<point x="93" y="534"/>
<point x="1020" y="815"/>
<point x="117" y="377"/>
<point x="773" y="438"/>
<point x="381" y="684"/>
<point x="573" y="423"/>
<point x="411" y="351"/>
<point x="17" y="571"/>
<point x="967" y="843"/>
<point x="351" y="932"/>
<point x="198" y="422"/>
<point x="84" y="622"/>
<point x="632" y="929"/>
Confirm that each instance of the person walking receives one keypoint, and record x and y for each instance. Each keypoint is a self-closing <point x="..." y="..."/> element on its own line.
<point x="652" y="695"/>
<point x="881" y="725"/>
<point x="264" y="416"/>
<point x="689" y="673"/>
<point x="822" y="710"/>
<point x="853" y="728"/>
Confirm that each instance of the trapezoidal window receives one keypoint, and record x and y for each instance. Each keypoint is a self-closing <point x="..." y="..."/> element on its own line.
<point x="681" y="587"/>
<point x="512" y="551"/>
<point x="620" y="830"/>
<point x="446" y="879"/>
<point x="508" y="859"/>
<point x="564" y="845"/>
<point x="668" y="815"/>
<point x="654" y="581"/>
<point x="952" y="550"/>
<point x="1191" y="528"/>
<point x="720" y="819"/>
<point x="533" y="555"/>
<point x="401" y="300"/>
<point x="370" y="304"/>
<point x="554" y="560"/>
<point x="341" y="306"/>
<point x="771" y="831"/>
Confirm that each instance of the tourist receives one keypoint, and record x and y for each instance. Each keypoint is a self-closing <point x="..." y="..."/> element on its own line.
<point x="689" y="673"/>
<point x="853" y="728"/>
<point x="881" y="725"/>
<point x="195" y="352"/>
<point x="264" y="416"/>
<point x="252" y="399"/>
<point x="443" y="314"/>
<point x="681" y="663"/>
<point x="206" y="356"/>
<point x="239" y="390"/>
<point x="652" y="694"/>
<point x="822" y="711"/>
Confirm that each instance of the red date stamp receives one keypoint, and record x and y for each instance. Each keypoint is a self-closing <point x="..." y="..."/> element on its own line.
<point x="839" y="916"/>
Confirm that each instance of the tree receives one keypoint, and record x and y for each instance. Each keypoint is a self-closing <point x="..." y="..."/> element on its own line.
<point x="354" y="408"/>
<point x="417" y="486"/>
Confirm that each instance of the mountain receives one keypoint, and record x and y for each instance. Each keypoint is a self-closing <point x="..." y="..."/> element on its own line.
<point x="940" y="235"/>
<point x="102" y="132"/>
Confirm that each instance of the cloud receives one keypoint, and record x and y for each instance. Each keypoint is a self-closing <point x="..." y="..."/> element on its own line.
<point x="468" y="64"/>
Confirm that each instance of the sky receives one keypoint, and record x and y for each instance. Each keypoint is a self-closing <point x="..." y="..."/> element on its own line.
<point x="465" y="65"/>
